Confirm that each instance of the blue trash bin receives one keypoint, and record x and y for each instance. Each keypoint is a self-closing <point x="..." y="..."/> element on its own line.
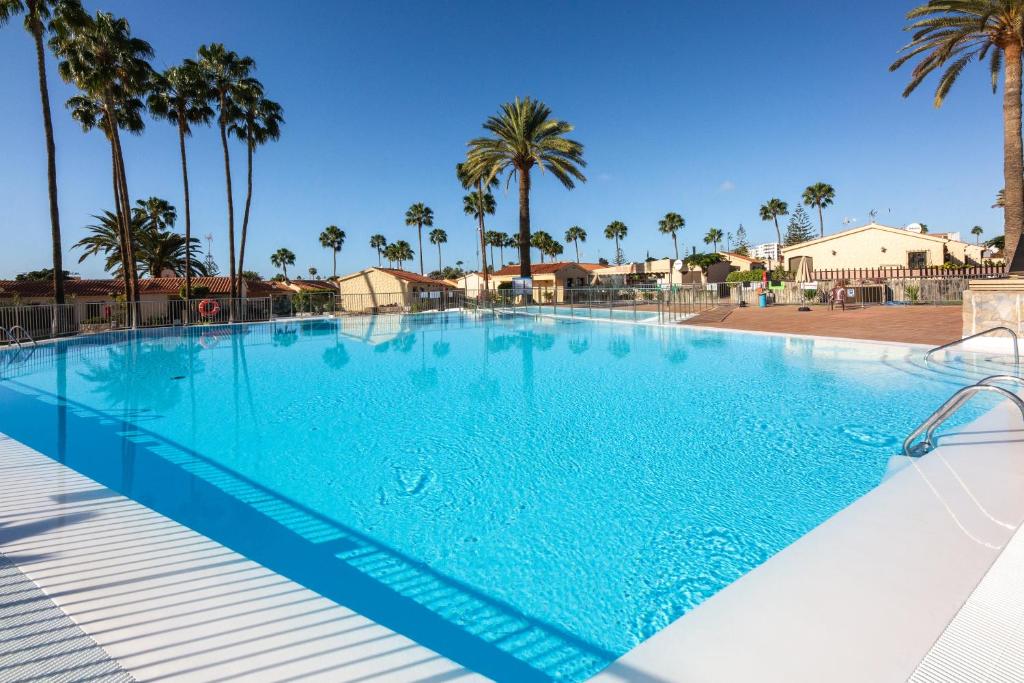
<point x="762" y="300"/>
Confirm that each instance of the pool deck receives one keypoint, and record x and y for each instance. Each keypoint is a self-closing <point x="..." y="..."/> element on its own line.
<point x="933" y="325"/>
<point x="918" y="579"/>
<point x="165" y="602"/>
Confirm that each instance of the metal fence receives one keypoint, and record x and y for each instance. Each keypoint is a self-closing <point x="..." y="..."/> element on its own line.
<point x="944" y="290"/>
<point x="614" y="303"/>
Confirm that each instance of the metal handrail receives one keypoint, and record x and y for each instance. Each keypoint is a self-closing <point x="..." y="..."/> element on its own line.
<point x="24" y="332"/>
<point x="947" y="409"/>
<point x="1016" y="342"/>
<point x="10" y="336"/>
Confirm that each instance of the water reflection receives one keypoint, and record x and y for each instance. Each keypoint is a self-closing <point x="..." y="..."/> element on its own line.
<point x="579" y="345"/>
<point x="336" y="357"/>
<point x="143" y="374"/>
<point x="619" y="347"/>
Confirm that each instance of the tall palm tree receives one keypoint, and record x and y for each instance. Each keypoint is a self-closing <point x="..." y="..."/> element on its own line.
<point x="511" y="242"/>
<point x="225" y="73"/>
<point x="438" y="236"/>
<point x="524" y="135"/>
<point x="820" y="195"/>
<point x="948" y="35"/>
<point x="333" y="238"/>
<point x="977" y="231"/>
<point x="670" y="225"/>
<point x="378" y="242"/>
<point x="616" y="230"/>
<point x="420" y="214"/>
<point x="178" y="96"/>
<point x="37" y="16"/>
<point x="160" y="212"/>
<point x="771" y="210"/>
<point x="257" y="121"/>
<point x="541" y="241"/>
<point x="282" y="258"/>
<point x="553" y="248"/>
<point x="99" y="55"/>
<point x="576" y="234"/>
<point x="104" y="239"/>
<point x="478" y="203"/>
<point x="714" y="236"/>
<point x="89" y="112"/>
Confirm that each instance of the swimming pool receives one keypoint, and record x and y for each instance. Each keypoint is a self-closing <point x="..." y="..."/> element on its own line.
<point x="597" y="311"/>
<point x="531" y="497"/>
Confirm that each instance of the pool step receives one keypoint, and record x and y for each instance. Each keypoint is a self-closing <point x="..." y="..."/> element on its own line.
<point x="714" y="315"/>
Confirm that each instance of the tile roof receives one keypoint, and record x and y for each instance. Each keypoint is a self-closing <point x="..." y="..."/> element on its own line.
<point x="544" y="268"/>
<point x="411" y="277"/>
<point x="114" y="287"/>
<point x="312" y="285"/>
<point x="741" y="257"/>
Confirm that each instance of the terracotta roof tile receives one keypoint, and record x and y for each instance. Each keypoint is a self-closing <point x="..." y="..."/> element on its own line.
<point x="545" y="268"/>
<point x="411" y="277"/>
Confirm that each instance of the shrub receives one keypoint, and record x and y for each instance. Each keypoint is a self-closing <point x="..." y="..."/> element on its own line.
<point x="913" y="291"/>
<point x="745" y="276"/>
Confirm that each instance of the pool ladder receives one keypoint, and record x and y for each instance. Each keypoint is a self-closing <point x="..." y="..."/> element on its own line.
<point x="947" y="409"/>
<point x="1016" y="342"/>
<point x="12" y="335"/>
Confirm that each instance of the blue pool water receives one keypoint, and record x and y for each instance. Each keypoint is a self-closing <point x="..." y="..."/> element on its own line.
<point x="531" y="497"/>
<point x="597" y="312"/>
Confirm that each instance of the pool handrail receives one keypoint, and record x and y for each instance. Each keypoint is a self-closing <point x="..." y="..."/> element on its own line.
<point x="24" y="333"/>
<point x="946" y="410"/>
<point x="1016" y="342"/>
<point x="6" y="332"/>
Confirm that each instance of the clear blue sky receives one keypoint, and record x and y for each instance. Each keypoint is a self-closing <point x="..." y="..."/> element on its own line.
<point x="692" y="107"/>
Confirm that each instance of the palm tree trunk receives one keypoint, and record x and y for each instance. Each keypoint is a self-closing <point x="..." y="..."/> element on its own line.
<point x="439" y="256"/>
<point x="617" y="250"/>
<point x="480" y="229"/>
<point x="379" y="262"/>
<point x="188" y="214"/>
<point x="117" y="213"/>
<point x="675" y="245"/>
<point x="524" y="222"/>
<point x="129" y="266"/>
<point x="821" y="221"/>
<point x="778" y="236"/>
<point x="231" y="207"/>
<point x="419" y="229"/>
<point x="501" y="253"/>
<point x="334" y="262"/>
<point x="1013" y="162"/>
<point x="51" y="159"/>
<point x="576" y="243"/>
<point x="245" y="214"/>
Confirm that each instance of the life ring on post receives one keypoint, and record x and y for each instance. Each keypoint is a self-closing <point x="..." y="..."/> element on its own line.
<point x="209" y="308"/>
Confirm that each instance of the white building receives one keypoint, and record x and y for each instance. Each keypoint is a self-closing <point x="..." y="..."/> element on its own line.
<point x="768" y="251"/>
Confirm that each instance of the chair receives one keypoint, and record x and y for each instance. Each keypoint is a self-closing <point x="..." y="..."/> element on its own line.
<point x="837" y="296"/>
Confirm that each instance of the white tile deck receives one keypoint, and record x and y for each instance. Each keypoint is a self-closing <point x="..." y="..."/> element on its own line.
<point x="866" y="595"/>
<point x="172" y="605"/>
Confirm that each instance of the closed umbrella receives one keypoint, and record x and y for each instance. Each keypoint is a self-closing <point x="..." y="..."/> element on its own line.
<point x="803" y="273"/>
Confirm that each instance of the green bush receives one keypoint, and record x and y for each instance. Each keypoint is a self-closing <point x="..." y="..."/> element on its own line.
<point x="745" y="276"/>
<point x="198" y="292"/>
<point x="912" y="292"/>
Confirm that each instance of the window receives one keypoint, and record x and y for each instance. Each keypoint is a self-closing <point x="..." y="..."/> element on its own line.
<point x="917" y="259"/>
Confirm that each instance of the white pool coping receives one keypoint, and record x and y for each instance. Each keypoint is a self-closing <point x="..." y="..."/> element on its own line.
<point x="170" y="604"/>
<point x="867" y="594"/>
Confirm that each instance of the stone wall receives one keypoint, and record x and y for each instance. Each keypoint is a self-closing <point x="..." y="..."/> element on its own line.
<point x="994" y="303"/>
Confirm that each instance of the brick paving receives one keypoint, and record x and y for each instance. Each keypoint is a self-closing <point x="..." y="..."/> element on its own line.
<point x="913" y="324"/>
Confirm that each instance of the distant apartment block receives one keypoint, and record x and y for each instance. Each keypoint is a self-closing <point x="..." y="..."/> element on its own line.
<point x="769" y="251"/>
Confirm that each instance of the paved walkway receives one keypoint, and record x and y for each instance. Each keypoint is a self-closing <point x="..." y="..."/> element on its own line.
<point x="912" y="324"/>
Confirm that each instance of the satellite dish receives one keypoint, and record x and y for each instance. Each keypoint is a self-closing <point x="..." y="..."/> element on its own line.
<point x="677" y="266"/>
<point x="915" y="227"/>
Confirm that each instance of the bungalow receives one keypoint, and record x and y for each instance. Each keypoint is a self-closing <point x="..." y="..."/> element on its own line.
<point x="552" y="277"/>
<point x="374" y="289"/>
<point x="472" y="282"/>
<point x="740" y="262"/>
<point x="98" y="291"/>
<point x="880" y="246"/>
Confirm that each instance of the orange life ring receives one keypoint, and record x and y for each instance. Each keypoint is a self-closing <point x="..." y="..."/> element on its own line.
<point x="209" y="308"/>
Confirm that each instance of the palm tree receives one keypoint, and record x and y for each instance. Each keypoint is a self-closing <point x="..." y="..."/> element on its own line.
<point x="160" y="251"/>
<point x="257" y="121"/>
<point x="438" y="236"/>
<point x="378" y="242"/>
<point x="389" y="254"/>
<point x="771" y="210"/>
<point x="333" y="238"/>
<point x="523" y="136"/>
<point x="493" y="239"/>
<point x="282" y="258"/>
<point x="420" y="214"/>
<point x="948" y="35"/>
<point x="616" y="230"/>
<point x="37" y="15"/>
<point x="1000" y="200"/>
<point x="178" y="96"/>
<point x="670" y="225"/>
<point x="225" y="73"/>
<point x="99" y="55"/>
<point x="402" y="252"/>
<point x="312" y="272"/>
<point x="977" y="231"/>
<point x="820" y="195"/>
<point x="576" y="234"/>
<point x="90" y="114"/>
<point x="540" y="240"/>
<point x="105" y="240"/>
<point x="160" y="212"/>
<point x="501" y="239"/>
<point x="714" y="236"/>
<point x="477" y="205"/>
<point x="553" y="248"/>
<point x="511" y="242"/>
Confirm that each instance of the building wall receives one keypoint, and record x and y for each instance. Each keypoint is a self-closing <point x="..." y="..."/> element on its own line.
<point x="864" y="249"/>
